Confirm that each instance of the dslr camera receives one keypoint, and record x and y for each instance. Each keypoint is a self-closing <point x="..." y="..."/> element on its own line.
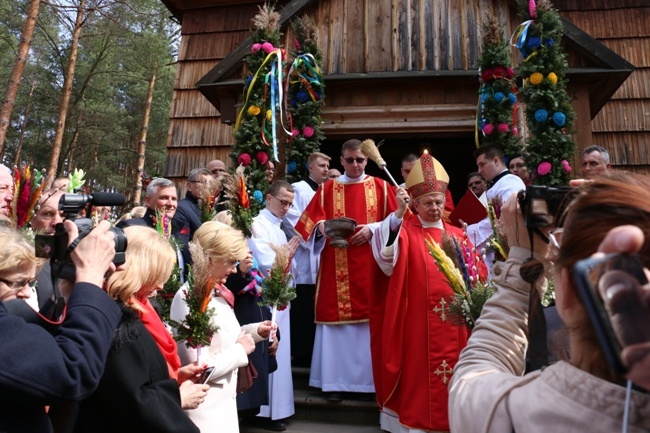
<point x="55" y="247"/>
<point x="542" y="206"/>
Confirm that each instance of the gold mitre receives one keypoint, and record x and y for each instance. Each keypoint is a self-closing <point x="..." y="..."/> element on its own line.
<point x="427" y="176"/>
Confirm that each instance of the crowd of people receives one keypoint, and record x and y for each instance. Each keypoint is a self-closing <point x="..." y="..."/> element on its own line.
<point x="372" y="320"/>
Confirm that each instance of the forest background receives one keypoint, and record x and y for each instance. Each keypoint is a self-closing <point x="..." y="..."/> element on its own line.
<point x="125" y="64"/>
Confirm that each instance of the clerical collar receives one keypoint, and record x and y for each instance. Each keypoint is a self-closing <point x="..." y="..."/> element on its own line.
<point x="345" y="178"/>
<point x="312" y="183"/>
<point x="428" y="225"/>
<point x="498" y="177"/>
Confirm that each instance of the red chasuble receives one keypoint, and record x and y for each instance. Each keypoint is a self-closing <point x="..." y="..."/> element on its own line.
<point x="420" y="344"/>
<point x="346" y="275"/>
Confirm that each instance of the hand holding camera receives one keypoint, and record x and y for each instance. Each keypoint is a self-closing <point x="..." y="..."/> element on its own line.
<point x="93" y="255"/>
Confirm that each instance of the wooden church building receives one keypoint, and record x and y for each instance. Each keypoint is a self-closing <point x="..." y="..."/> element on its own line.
<point x="404" y="72"/>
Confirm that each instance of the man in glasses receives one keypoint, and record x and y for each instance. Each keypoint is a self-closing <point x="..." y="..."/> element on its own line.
<point x="266" y="233"/>
<point x="341" y="359"/>
<point x="303" y="328"/>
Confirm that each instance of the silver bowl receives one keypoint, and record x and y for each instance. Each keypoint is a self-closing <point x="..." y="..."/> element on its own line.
<point x="339" y="229"/>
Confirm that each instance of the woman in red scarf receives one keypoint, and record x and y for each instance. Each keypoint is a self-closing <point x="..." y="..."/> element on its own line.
<point x="140" y="390"/>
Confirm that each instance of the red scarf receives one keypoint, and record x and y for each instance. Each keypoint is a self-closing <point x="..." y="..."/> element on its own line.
<point x="162" y="337"/>
<point x="226" y="294"/>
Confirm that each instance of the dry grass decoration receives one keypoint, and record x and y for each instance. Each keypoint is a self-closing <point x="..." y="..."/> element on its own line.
<point x="197" y="329"/>
<point x="460" y="264"/>
<point x="240" y="204"/>
<point x="208" y="195"/>
<point x="277" y="289"/>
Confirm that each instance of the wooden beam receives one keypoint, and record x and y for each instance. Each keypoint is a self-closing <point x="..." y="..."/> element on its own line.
<point x="231" y="63"/>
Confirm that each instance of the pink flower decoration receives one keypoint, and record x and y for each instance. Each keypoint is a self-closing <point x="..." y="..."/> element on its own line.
<point x="255" y="48"/>
<point x="294" y="132"/>
<point x="487" y="75"/>
<point x="296" y="44"/>
<point x="488" y="129"/>
<point x="515" y="131"/>
<point x="308" y="131"/>
<point x="566" y="166"/>
<point x="503" y="128"/>
<point x="544" y="168"/>
<point x="262" y="157"/>
<point x="510" y="73"/>
<point x="267" y="47"/>
<point x="498" y="71"/>
<point x="244" y="159"/>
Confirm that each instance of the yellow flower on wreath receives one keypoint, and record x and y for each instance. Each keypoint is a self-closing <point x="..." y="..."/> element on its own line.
<point x="269" y="114"/>
<point x="536" y="78"/>
<point x="254" y="110"/>
<point x="552" y="77"/>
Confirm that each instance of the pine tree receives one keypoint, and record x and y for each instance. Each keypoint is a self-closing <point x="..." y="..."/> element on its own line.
<point x="549" y="114"/>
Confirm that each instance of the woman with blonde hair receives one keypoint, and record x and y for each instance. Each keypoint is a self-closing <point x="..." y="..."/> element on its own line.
<point x="139" y="390"/>
<point x="221" y="247"/>
<point x="18" y="266"/>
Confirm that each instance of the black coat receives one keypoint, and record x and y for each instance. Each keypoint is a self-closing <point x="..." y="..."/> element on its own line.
<point x="136" y="393"/>
<point x="249" y="309"/>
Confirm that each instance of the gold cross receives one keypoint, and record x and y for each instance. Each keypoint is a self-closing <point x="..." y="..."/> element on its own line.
<point x="444" y="372"/>
<point x="441" y="311"/>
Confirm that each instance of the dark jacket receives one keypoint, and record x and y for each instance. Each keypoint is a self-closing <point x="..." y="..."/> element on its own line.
<point x="250" y="309"/>
<point x="186" y="221"/>
<point x="148" y="220"/>
<point x="37" y="369"/>
<point x="136" y="393"/>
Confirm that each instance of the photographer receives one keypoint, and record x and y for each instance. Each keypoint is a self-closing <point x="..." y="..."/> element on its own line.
<point x="488" y="382"/>
<point x="37" y="368"/>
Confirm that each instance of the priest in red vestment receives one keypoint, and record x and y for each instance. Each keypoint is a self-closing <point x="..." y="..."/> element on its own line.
<point x="420" y="343"/>
<point x="341" y="361"/>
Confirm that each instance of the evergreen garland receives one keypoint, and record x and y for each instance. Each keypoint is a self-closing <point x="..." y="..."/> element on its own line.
<point x="497" y="114"/>
<point x="305" y="93"/>
<point x="549" y="114"/>
<point x="253" y="130"/>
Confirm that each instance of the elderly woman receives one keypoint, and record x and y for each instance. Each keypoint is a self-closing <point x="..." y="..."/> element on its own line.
<point x="139" y="391"/>
<point x="488" y="392"/>
<point x="223" y="246"/>
<point x="17" y="266"/>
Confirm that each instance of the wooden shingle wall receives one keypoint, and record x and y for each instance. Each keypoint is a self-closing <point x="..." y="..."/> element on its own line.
<point x="623" y="125"/>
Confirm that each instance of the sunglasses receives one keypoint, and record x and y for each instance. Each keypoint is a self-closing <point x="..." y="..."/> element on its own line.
<point x="352" y="160"/>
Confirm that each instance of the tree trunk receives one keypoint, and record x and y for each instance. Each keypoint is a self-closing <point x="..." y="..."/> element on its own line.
<point x="65" y="96"/>
<point x="23" y="127"/>
<point x="17" y="72"/>
<point x="142" y="143"/>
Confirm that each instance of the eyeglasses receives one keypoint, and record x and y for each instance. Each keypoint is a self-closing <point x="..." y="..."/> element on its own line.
<point x="284" y="203"/>
<point x="352" y="160"/>
<point x="20" y="285"/>
<point x="555" y="238"/>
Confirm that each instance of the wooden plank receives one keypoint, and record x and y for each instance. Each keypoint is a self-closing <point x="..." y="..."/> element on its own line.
<point x="205" y="46"/>
<point x="637" y="86"/>
<point x="379" y="36"/>
<point x="582" y="5"/>
<point x="218" y="19"/>
<point x="414" y="48"/>
<point x="428" y="28"/>
<point x="444" y="42"/>
<point x="199" y="132"/>
<point x="191" y="103"/>
<point x="336" y="41"/>
<point x="188" y="73"/>
<point x="607" y="24"/>
<point x="619" y="115"/>
<point x="472" y="39"/>
<point x="322" y="23"/>
<point x="354" y="36"/>
<point x="633" y="145"/>
<point x="636" y="51"/>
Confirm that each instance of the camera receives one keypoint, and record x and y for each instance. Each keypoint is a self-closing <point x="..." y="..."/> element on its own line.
<point x="542" y="206"/>
<point x="55" y="247"/>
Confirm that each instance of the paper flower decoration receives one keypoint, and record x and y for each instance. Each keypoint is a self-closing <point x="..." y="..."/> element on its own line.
<point x="499" y="96"/>
<point x="308" y="131"/>
<point x="269" y="114"/>
<point x="302" y="96"/>
<point x="503" y="128"/>
<point x="487" y="75"/>
<point x="544" y="168"/>
<point x="268" y="47"/>
<point x="536" y="78"/>
<point x="262" y="157"/>
<point x="510" y="72"/>
<point x="244" y="159"/>
<point x="552" y="77"/>
<point x="255" y="47"/>
<point x="291" y="166"/>
<point x="559" y="119"/>
<point x="254" y="110"/>
<point x="541" y="115"/>
<point x="515" y="131"/>
<point x="566" y="166"/>
<point x="257" y="195"/>
<point x="488" y="129"/>
<point x="534" y="42"/>
<point x="295" y="132"/>
<point x="512" y="98"/>
<point x="549" y="42"/>
<point x="498" y="71"/>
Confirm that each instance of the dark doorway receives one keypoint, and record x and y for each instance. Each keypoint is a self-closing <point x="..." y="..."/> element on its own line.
<point x="454" y="153"/>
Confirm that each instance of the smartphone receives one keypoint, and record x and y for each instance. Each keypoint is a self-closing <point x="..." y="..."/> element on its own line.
<point x="203" y="378"/>
<point x="587" y="274"/>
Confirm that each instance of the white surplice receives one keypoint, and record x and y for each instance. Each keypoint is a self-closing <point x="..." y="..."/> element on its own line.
<point x="266" y="231"/>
